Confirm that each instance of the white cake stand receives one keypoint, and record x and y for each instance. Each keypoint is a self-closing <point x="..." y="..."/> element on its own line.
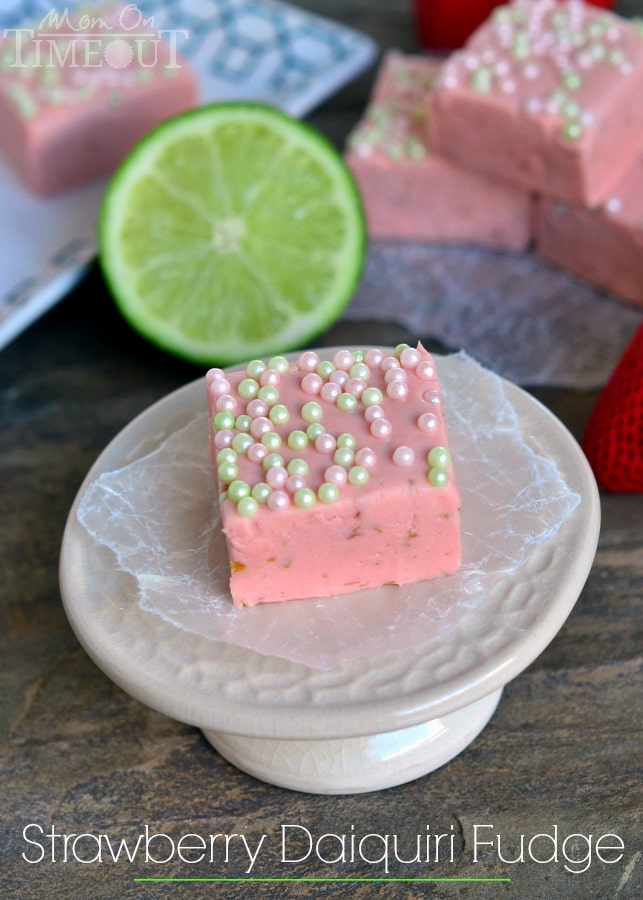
<point x="366" y="724"/>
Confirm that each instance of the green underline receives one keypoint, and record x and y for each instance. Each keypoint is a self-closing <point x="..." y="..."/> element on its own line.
<point x="324" y="880"/>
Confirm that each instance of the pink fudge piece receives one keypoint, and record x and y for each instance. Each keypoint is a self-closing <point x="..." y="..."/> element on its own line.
<point x="546" y="94"/>
<point x="409" y="192"/>
<point x="603" y="244"/>
<point x="77" y="92"/>
<point x="335" y="455"/>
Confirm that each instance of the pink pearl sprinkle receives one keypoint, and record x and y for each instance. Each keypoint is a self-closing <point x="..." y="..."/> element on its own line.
<point x="226" y="403"/>
<point x="410" y="357"/>
<point x="339" y="377"/>
<point x="295" y="482"/>
<point x="366" y="457"/>
<point x="269" y="378"/>
<point x="428" y="422"/>
<point x="389" y="362"/>
<point x="397" y="390"/>
<point x="381" y="428"/>
<point x="343" y="359"/>
<point x="432" y="397"/>
<point x="277" y="476"/>
<point x="325" y="443"/>
<point x="371" y="413"/>
<point x="278" y="500"/>
<point x="394" y="375"/>
<point x="308" y="361"/>
<point x="223" y="439"/>
<point x="260" y="426"/>
<point x="257" y="408"/>
<point x="425" y="370"/>
<point x="311" y="383"/>
<point x="219" y="387"/>
<point x="336" y="475"/>
<point x="213" y="375"/>
<point x="257" y="452"/>
<point x="355" y="386"/>
<point x="403" y="456"/>
<point x="330" y="392"/>
<point x="373" y="357"/>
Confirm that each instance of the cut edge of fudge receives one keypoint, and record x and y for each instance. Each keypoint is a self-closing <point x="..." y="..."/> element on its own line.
<point x="334" y="474"/>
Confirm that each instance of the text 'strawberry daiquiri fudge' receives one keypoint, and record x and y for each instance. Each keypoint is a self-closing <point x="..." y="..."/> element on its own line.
<point x="79" y="89"/>
<point x="603" y="244"/>
<point x="546" y="94"/>
<point x="409" y="193"/>
<point x="335" y="475"/>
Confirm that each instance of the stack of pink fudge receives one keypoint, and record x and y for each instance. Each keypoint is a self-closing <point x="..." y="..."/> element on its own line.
<point x="78" y="89"/>
<point x="537" y="123"/>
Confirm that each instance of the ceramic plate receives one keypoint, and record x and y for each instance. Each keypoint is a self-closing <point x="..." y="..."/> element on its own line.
<point x="242" y="49"/>
<point x="228" y="688"/>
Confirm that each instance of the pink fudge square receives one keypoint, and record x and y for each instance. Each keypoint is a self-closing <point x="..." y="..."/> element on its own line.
<point x="77" y="92"/>
<point x="335" y="454"/>
<point x="409" y="192"/>
<point x="546" y="94"/>
<point x="603" y="244"/>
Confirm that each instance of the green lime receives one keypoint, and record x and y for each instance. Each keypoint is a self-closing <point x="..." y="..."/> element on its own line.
<point x="232" y="232"/>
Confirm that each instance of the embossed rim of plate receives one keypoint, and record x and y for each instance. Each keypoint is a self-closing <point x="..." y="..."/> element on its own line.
<point x="230" y="689"/>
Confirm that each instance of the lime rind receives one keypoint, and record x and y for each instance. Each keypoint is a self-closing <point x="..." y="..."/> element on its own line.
<point x="230" y="232"/>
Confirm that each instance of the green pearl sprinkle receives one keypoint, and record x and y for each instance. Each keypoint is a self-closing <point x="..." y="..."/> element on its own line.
<point x="247" y="507"/>
<point x="358" y="356"/>
<point x="243" y="422"/>
<point x="438" y="477"/>
<point x="314" y="430"/>
<point x="328" y="493"/>
<point x="346" y="402"/>
<point x="573" y="131"/>
<point x="273" y="459"/>
<point x="269" y="394"/>
<point x="237" y="490"/>
<point x="279" y="414"/>
<point x="358" y="475"/>
<point x="439" y="457"/>
<point x="279" y="364"/>
<point x="255" y="368"/>
<point x="325" y="368"/>
<point x="344" y="456"/>
<point x="298" y="467"/>
<point x="312" y="411"/>
<point x="360" y="370"/>
<point x="372" y="396"/>
<point x="297" y="440"/>
<point x="223" y="421"/>
<point x="271" y="440"/>
<point x="261" y="491"/>
<point x="228" y="471"/>
<point x="572" y="80"/>
<point x="226" y="455"/>
<point x="241" y="442"/>
<point x="248" y="389"/>
<point x="347" y="440"/>
<point x="399" y="350"/>
<point x="304" y="498"/>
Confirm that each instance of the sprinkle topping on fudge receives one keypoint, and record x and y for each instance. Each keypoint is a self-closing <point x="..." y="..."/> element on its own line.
<point x="258" y="438"/>
<point x="554" y="56"/>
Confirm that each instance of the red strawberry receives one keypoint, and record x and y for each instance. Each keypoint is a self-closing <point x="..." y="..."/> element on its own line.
<point x="613" y="441"/>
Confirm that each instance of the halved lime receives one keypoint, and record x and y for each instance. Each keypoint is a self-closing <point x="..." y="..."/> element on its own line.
<point x="230" y="232"/>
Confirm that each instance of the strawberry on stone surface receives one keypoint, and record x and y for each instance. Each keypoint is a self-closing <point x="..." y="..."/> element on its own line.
<point x="613" y="440"/>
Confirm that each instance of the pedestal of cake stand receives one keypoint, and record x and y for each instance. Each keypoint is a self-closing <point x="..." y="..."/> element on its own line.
<point x="357" y="764"/>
